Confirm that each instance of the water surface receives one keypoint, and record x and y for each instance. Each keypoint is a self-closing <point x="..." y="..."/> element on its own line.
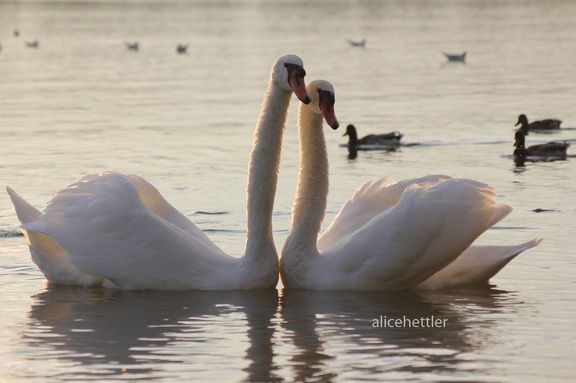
<point x="82" y="103"/>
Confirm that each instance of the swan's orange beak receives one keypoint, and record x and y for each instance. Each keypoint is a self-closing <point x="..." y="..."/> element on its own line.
<point x="298" y="85"/>
<point x="327" y="109"/>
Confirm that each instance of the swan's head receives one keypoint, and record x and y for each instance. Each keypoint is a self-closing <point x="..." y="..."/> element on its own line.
<point x="288" y="73"/>
<point x="323" y="98"/>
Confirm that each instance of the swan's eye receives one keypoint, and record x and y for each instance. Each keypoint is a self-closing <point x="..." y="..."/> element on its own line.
<point x="294" y="69"/>
<point x="326" y="97"/>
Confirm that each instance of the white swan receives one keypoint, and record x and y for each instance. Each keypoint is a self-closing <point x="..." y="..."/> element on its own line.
<point x="116" y="230"/>
<point x="388" y="236"/>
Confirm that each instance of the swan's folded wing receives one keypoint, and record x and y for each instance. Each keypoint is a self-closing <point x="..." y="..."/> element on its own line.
<point x="426" y="230"/>
<point x="106" y="229"/>
<point x="154" y="201"/>
<point x="369" y="200"/>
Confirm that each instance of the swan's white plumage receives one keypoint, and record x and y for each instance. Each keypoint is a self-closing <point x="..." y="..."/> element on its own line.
<point x="50" y="258"/>
<point x="475" y="266"/>
<point x="389" y="236"/>
<point x="155" y="202"/>
<point x="116" y="230"/>
<point x="370" y="199"/>
<point x="108" y="231"/>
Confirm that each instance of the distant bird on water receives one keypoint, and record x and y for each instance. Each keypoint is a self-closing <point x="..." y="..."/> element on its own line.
<point x="182" y="48"/>
<point x="357" y="43"/>
<point x="456" y="57"/>
<point x="32" y="44"/>
<point x="550" y="149"/>
<point x="543" y="125"/>
<point x="391" y="139"/>
<point x="133" y="46"/>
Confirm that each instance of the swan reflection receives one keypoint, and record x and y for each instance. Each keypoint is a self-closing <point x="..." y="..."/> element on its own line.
<point x="120" y="333"/>
<point x="323" y="325"/>
<point x="253" y="336"/>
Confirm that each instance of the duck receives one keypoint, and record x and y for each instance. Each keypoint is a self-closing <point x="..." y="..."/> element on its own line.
<point x="182" y="48"/>
<point x="388" y="140"/>
<point x="116" y="230"/>
<point x="390" y="235"/>
<point x="550" y="149"/>
<point x="32" y="44"/>
<point x="542" y="125"/>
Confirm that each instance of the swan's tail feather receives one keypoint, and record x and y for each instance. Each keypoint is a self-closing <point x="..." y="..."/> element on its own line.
<point x="475" y="266"/>
<point x="25" y="212"/>
<point x="46" y="254"/>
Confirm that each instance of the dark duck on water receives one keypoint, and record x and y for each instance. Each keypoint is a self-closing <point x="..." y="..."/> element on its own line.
<point x="550" y="149"/>
<point x="543" y="125"/>
<point x="391" y="139"/>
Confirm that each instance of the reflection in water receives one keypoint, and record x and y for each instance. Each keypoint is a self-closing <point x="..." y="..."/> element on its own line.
<point x="520" y="160"/>
<point x="330" y="336"/>
<point x="352" y="151"/>
<point x="137" y="334"/>
<point x="321" y="321"/>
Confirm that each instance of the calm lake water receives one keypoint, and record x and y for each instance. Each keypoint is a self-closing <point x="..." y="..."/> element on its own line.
<point x="82" y="103"/>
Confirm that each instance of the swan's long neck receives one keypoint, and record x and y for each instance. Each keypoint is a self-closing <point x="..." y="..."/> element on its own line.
<point x="263" y="170"/>
<point x="312" y="188"/>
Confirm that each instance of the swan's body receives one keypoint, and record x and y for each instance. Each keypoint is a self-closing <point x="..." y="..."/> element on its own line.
<point x="116" y="230"/>
<point x="389" y="236"/>
<point x="542" y="125"/>
<point x="549" y="149"/>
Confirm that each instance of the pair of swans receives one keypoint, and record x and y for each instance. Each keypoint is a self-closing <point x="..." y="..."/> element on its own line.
<point x="116" y="230"/>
